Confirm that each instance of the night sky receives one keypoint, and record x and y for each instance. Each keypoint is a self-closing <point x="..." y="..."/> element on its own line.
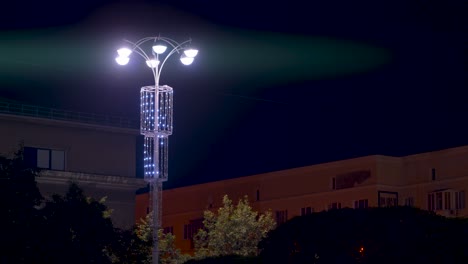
<point x="276" y="85"/>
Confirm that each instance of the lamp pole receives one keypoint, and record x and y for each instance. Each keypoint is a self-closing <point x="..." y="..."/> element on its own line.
<point x="156" y="115"/>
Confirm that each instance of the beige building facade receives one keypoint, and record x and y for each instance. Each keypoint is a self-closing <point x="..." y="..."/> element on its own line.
<point x="96" y="152"/>
<point x="435" y="181"/>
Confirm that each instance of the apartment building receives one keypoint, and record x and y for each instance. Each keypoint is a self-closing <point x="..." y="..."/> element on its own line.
<point x="97" y="152"/>
<point x="435" y="181"/>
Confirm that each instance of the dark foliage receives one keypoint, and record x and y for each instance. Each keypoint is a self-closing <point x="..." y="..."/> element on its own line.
<point x="74" y="229"/>
<point x="374" y="235"/>
<point x="232" y="259"/>
<point x="20" y="218"/>
<point x="66" y="229"/>
<point x="129" y="248"/>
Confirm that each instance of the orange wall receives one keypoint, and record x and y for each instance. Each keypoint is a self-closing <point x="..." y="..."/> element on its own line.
<point x="311" y="186"/>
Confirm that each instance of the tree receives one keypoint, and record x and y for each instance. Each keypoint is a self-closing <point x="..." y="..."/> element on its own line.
<point x="168" y="253"/>
<point x="19" y="201"/>
<point x="66" y="229"/>
<point x="234" y="230"/>
<point x="373" y="235"/>
<point x="76" y="229"/>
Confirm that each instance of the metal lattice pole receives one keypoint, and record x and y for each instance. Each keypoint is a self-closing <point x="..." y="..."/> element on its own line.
<point x="156" y="208"/>
<point x="156" y="116"/>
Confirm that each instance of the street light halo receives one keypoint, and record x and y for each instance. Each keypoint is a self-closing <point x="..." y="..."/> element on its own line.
<point x="191" y="52"/>
<point x="159" y="48"/>
<point x="186" y="60"/>
<point x="121" y="60"/>
<point x="124" y="52"/>
<point x="153" y="63"/>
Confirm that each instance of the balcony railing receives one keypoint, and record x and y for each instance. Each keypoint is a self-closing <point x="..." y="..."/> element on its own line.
<point x="57" y="114"/>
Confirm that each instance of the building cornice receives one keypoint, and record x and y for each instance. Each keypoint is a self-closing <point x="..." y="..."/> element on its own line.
<point x="108" y="181"/>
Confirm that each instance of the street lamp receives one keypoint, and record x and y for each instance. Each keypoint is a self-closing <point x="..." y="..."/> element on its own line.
<point x="156" y="115"/>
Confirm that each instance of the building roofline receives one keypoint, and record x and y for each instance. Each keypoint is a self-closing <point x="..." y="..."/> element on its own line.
<point x="261" y="176"/>
<point x="61" y="123"/>
<point x="440" y="152"/>
<point x="11" y="108"/>
<point x="326" y="165"/>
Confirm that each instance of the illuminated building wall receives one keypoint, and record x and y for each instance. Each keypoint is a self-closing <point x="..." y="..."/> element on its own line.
<point x="437" y="181"/>
<point x="98" y="153"/>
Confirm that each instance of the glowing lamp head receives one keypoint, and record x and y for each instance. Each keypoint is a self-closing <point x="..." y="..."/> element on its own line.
<point x="186" y="60"/>
<point x="124" y="52"/>
<point x="152" y="63"/>
<point x="191" y="53"/>
<point x="159" y="48"/>
<point x="122" y="60"/>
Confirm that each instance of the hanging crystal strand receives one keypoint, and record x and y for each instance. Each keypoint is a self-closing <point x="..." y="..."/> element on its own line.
<point x="150" y="167"/>
<point x="147" y="110"/>
<point x="165" y="112"/>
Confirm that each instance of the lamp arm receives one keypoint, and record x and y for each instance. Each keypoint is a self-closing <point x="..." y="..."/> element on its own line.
<point x="170" y="41"/>
<point x="137" y="49"/>
<point x="174" y="50"/>
<point x="141" y="41"/>
<point x="176" y="47"/>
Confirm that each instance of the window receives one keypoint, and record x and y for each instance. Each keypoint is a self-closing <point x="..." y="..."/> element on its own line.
<point x="460" y="200"/>
<point x="409" y="201"/>
<point x="433" y="174"/>
<point x="168" y="229"/>
<point x="187" y="229"/>
<point x="388" y="202"/>
<point x="391" y="201"/>
<point x="333" y="183"/>
<point x="361" y="204"/>
<point x="281" y="216"/>
<point x="307" y="210"/>
<point x="387" y="198"/>
<point x="44" y="158"/>
<point x="258" y="195"/>
<point x="431" y="202"/>
<point x="438" y="198"/>
<point x="192" y="228"/>
<point x="446" y="199"/>
<point x="334" y="206"/>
